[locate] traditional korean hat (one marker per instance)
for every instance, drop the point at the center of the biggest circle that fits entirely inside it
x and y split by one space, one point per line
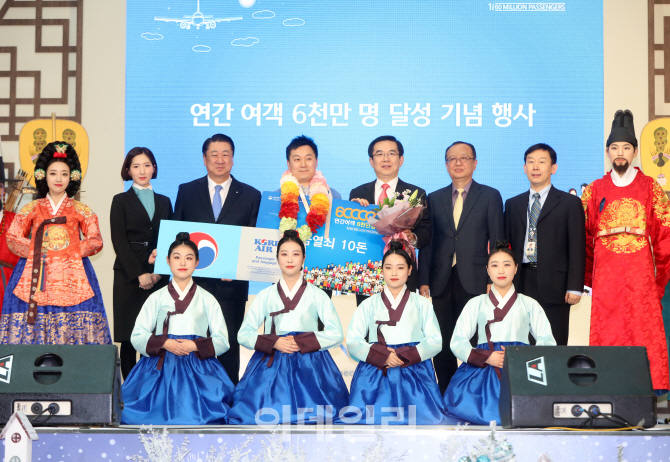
622 128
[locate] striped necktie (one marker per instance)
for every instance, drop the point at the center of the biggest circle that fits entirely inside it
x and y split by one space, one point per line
532 229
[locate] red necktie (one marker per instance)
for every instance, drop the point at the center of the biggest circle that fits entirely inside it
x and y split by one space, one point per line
384 194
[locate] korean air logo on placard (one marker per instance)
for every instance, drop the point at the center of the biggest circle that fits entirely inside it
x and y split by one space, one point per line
265 245
536 371
207 248
6 368
274 198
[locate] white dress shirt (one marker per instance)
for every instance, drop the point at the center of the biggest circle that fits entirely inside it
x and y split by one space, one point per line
224 190
395 301
378 188
626 179
54 206
182 294
290 293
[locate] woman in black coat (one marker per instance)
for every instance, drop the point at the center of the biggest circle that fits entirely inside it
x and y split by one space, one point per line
135 218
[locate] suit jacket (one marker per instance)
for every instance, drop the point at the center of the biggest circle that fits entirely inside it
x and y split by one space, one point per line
421 231
481 222
240 209
130 225
561 242
129 222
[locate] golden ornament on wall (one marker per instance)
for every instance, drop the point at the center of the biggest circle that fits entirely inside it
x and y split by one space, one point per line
37 133
655 151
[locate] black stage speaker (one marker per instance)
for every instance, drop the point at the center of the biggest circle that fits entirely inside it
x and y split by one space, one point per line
552 386
81 383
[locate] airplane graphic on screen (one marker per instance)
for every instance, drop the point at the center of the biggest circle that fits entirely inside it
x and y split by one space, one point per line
197 20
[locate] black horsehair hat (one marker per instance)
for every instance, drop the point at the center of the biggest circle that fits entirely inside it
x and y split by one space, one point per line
622 128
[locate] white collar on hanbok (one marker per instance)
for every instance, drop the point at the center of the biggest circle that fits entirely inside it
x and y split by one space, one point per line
395 301
290 293
136 186
503 300
182 294
55 207
626 179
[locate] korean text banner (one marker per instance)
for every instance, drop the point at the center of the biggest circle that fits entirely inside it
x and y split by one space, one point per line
231 252
502 76
349 260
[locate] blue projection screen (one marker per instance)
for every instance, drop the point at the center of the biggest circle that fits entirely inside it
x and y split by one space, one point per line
502 76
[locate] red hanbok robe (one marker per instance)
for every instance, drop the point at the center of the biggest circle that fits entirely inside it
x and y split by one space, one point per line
6 255
627 278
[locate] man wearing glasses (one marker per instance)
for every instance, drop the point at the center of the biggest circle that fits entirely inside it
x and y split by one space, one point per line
386 157
466 216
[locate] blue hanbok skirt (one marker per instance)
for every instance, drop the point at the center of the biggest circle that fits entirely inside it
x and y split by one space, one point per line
186 391
297 389
473 393
82 324
401 388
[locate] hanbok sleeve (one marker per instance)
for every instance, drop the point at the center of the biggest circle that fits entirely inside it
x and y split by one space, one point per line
91 244
217 343
248 335
143 338
660 237
332 334
539 324
466 327
357 346
432 340
17 234
590 216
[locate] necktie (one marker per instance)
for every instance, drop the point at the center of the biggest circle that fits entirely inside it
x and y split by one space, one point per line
216 202
532 229
384 194
458 209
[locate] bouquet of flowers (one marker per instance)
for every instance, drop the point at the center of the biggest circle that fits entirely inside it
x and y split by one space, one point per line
396 214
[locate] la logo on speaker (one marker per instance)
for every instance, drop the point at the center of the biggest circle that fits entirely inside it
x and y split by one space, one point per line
6 368
536 372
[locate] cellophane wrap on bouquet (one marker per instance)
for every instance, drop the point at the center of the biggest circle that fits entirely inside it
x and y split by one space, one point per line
396 214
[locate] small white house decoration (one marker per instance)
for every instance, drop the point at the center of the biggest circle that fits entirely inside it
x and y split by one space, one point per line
19 435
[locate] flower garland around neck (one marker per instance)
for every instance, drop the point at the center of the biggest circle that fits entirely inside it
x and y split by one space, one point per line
290 196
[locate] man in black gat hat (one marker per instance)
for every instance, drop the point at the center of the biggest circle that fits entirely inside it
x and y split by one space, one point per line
627 213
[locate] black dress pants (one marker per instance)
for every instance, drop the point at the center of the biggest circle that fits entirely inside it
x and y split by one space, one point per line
448 307
558 314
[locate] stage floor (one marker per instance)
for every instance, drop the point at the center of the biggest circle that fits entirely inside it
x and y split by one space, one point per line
353 443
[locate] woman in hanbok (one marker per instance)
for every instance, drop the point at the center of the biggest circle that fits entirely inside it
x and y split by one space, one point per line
502 317
395 369
178 380
291 377
53 296
135 221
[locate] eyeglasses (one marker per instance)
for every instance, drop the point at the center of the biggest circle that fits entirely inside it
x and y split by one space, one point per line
390 154
455 160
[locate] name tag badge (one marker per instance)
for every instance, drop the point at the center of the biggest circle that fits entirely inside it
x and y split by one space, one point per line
530 249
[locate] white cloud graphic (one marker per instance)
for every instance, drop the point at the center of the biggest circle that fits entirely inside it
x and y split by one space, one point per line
263 14
245 42
293 22
202 49
152 36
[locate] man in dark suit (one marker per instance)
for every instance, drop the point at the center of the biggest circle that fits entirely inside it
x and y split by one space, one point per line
466 216
220 198
546 230
386 155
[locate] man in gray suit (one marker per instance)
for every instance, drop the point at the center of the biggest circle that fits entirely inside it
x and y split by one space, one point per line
466 216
